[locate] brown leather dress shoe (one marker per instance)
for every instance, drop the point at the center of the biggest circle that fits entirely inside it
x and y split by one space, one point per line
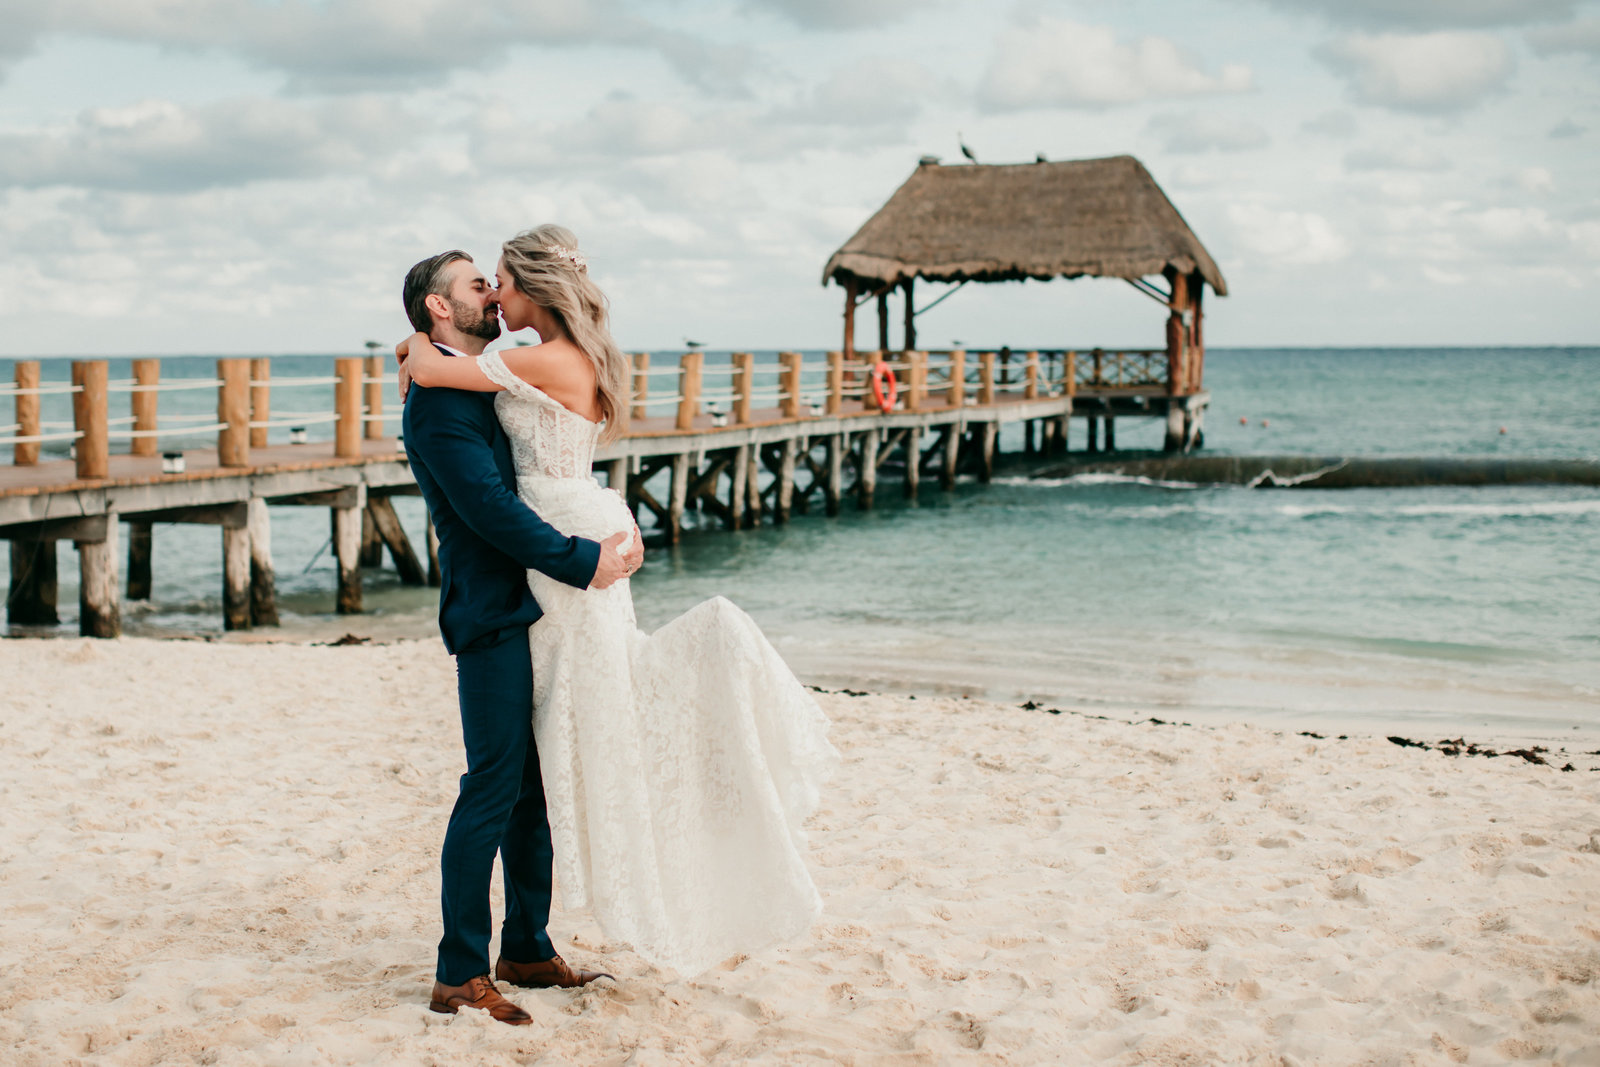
478 993
553 973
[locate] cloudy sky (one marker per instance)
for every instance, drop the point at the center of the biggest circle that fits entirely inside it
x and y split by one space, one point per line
244 176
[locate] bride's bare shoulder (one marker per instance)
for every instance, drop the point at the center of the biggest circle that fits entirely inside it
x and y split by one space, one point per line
558 368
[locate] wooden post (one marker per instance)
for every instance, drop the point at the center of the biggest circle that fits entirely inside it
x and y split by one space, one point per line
371 543
372 387
1099 378
32 597
991 434
835 383
1091 431
1172 441
850 287
641 383
679 494
1069 377
784 497
952 455
916 379
26 453
1027 437
744 372
89 417
910 331
99 612
689 389
752 484
789 384
958 378
736 486
392 535
833 488
1030 391
868 401
867 479
1111 434
261 400
236 577
142 403
883 319
913 460
140 543
263 579
233 411
986 377
435 576
347 430
1197 335
347 539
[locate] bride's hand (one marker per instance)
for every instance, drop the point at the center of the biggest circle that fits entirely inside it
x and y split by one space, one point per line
613 565
405 381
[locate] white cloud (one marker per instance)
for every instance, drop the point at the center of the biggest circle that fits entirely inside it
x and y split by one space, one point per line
1051 62
1431 72
1194 132
1535 180
1581 36
1331 124
1440 276
1564 129
1408 155
838 14
1287 237
1432 14
163 147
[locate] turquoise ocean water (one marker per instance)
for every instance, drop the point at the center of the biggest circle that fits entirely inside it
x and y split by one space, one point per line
1440 610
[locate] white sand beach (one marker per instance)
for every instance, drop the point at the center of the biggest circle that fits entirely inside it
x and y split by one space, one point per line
225 853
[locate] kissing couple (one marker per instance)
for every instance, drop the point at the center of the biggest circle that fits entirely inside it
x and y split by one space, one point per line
665 776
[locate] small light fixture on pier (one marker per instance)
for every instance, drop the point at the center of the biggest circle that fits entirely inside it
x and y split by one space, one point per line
297 435
718 416
172 463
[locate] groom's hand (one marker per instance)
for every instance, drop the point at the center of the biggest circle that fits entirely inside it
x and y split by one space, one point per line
614 566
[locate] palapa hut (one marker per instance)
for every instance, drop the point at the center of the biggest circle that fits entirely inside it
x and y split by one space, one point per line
1106 218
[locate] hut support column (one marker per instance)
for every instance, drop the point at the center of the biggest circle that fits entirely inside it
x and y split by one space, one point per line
99 613
883 320
263 577
236 577
911 317
347 550
850 287
867 479
913 460
140 543
32 600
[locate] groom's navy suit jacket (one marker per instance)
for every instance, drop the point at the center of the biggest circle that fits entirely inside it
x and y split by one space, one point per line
488 538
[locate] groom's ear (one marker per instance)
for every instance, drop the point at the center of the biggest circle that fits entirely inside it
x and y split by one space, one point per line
438 307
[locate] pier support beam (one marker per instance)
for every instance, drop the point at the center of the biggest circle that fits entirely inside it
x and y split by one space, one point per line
263 579
952 454
867 479
1175 435
737 480
140 545
988 436
913 460
678 495
347 550
1111 434
371 543
752 485
1091 441
833 488
236 577
99 610
32 599
392 535
783 499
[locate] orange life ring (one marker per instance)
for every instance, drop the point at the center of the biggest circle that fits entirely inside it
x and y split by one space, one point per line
885 390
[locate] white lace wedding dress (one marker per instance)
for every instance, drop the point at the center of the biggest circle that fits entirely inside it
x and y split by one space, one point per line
678 766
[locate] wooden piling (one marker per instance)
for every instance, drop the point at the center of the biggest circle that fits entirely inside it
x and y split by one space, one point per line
1172 441
347 547
143 403
263 579
1111 434
752 472
371 543
990 435
347 429
784 497
26 453
789 384
952 455
140 543
641 384
1091 442
679 491
99 609
32 597
233 411
689 369
260 400
867 479
392 535
89 418
236 577
833 488
372 387
913 448
736 486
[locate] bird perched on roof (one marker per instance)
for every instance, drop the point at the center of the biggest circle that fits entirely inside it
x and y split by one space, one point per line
1038 157
964 149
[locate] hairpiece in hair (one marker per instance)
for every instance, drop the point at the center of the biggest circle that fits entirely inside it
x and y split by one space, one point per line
571 255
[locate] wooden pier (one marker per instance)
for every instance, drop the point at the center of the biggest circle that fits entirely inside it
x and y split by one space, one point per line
744 440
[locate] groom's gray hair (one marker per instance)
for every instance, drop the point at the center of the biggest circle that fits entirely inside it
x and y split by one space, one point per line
423 280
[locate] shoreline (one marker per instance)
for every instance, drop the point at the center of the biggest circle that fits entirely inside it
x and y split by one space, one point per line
228 851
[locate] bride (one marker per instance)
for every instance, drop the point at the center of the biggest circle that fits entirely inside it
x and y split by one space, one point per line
678 766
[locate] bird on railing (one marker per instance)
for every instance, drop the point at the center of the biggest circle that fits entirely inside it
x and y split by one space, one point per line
964 149
693 344
1038 157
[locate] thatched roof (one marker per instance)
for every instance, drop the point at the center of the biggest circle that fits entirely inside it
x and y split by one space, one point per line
1102 217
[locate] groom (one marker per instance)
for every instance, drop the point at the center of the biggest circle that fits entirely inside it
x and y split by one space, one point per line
488 540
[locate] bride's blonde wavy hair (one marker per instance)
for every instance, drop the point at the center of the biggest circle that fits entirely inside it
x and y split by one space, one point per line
546 266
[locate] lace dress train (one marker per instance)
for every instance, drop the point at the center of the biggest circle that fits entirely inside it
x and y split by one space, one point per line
678 766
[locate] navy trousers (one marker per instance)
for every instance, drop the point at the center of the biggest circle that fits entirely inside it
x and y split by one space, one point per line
500 809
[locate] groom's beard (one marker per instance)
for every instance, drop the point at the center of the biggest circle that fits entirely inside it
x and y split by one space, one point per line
476 322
